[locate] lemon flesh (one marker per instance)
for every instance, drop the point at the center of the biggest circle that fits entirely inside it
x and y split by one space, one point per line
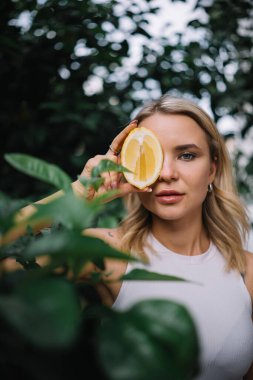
142 154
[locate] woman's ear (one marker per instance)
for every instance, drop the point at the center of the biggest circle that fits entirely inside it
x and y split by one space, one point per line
213 169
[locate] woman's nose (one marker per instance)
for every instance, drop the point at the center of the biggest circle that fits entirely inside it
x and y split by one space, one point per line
169 170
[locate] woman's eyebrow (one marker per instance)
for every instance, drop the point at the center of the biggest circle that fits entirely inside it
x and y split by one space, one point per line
186 146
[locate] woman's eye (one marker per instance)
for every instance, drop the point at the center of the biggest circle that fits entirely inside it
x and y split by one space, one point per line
187 156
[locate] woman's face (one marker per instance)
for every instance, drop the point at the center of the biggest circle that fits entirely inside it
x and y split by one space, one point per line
187 168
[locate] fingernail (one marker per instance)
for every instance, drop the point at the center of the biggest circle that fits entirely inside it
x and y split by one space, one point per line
114 185
148 190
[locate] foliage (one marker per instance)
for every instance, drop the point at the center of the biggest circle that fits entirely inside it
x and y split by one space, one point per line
225 65
47 75
53 324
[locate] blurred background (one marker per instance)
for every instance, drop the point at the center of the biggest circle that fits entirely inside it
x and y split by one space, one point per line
73 73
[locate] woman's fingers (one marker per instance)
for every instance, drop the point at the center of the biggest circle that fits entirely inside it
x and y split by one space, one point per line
118 141
90 164
90 193
111 180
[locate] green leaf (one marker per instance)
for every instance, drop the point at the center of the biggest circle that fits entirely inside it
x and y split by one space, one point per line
155 339
107 166
69 210
73 248
16 248
39 169
145 275
46 312
95 182
8 210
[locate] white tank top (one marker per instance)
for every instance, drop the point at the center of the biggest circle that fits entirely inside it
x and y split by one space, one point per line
220 305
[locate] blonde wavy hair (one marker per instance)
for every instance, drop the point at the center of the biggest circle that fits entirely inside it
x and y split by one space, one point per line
224 214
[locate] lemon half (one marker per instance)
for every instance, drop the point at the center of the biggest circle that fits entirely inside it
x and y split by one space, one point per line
142 154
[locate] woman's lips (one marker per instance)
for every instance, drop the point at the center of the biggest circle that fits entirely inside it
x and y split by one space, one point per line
169 197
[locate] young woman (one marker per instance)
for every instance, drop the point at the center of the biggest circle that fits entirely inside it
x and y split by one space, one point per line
189 223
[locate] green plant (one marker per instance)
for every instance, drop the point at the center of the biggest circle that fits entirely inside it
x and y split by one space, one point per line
53 323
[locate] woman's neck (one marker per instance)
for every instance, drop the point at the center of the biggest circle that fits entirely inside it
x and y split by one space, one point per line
188 238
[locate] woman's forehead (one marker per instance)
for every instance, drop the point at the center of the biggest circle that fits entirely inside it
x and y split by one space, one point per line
175 127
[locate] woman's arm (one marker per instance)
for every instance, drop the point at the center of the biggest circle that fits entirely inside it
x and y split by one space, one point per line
111 181
29 210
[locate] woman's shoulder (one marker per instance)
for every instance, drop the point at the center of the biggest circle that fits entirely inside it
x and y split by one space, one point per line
110 236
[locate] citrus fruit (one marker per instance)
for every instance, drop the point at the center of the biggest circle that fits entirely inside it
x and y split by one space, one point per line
142 154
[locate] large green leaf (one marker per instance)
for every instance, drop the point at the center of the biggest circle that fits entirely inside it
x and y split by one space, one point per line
45 311
39 169
155 339
69 210
76 249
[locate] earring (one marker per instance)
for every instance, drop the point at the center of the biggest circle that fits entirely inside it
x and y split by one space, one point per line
210 188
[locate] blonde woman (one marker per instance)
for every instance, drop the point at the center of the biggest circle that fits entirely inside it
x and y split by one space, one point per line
190 223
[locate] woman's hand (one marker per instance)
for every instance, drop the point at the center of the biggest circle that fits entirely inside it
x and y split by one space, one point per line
112 180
